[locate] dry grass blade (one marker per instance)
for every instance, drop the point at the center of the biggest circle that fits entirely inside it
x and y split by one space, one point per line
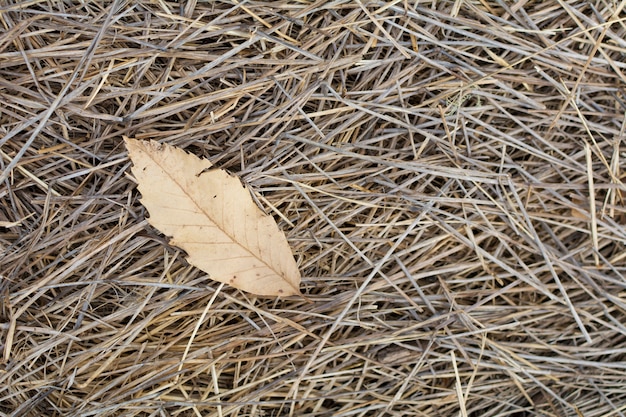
450 176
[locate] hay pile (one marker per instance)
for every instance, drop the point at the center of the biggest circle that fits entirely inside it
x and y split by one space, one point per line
449 175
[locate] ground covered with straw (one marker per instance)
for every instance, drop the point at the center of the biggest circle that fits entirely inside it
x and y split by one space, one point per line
449 175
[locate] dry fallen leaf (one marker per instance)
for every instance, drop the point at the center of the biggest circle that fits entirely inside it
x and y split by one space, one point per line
210 215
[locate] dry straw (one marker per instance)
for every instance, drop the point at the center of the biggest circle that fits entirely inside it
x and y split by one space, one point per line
449 175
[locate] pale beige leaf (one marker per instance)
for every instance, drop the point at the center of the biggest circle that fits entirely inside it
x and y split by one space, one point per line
210 215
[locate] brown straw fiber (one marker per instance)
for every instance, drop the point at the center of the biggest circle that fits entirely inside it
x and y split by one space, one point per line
449 174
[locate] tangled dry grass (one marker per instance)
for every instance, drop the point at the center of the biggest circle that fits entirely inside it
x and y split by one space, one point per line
449 175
